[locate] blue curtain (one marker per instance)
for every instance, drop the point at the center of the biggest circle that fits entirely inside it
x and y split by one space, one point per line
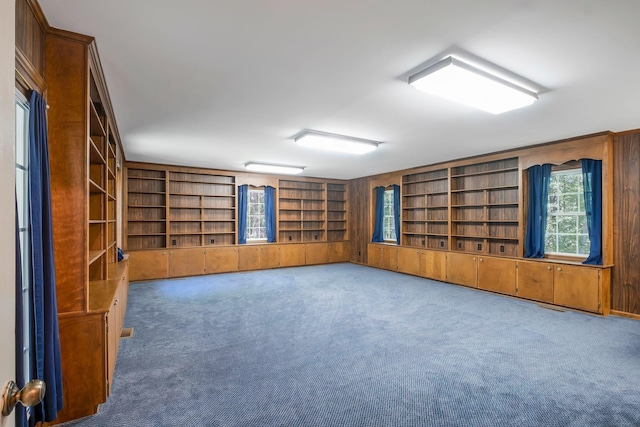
592 181
46 348
21 413
378 235
270 212
396 210
243 200
539 177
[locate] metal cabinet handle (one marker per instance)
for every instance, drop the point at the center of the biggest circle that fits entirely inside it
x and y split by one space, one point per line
548 268
559 268
30 395
481 260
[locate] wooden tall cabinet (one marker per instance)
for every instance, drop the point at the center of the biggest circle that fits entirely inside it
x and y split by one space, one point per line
84 155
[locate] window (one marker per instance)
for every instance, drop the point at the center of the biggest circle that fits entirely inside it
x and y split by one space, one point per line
22 203
389 223
256 220
567 231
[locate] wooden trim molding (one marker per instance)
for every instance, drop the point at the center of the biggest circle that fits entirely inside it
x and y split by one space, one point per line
39 14
625 314
27 76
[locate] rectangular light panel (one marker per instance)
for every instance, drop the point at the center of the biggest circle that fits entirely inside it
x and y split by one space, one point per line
336 143
458 81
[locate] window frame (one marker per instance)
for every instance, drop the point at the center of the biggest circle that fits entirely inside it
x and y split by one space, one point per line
570 168
262 217
22 162
388 197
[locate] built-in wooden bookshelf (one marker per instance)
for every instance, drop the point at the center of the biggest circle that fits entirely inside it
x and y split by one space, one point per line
201 210
484 207
197 210
98 184
302 211
146 209
91 285
336 212
112 202
425 209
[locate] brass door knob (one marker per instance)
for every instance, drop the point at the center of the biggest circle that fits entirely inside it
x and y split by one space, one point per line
30 395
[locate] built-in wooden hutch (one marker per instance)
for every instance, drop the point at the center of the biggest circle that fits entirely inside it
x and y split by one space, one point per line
183 221
464 222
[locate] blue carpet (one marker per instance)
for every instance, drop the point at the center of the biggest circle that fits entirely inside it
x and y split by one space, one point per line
347 345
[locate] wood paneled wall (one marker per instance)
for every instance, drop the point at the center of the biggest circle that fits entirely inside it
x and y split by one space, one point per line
29 33
31 27
625 283
359 196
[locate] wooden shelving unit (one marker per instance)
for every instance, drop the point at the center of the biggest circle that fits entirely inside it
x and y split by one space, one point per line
336 212
302 211
201 210
484 207
146 209
112 199
197 210
84 151
425 209
98 184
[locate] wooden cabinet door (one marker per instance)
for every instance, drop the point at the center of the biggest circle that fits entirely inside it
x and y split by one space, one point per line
390 257
497 275
535 281
221 260
409 260
113 336
148 265
337 252
434 265
374 253
269 256
292 255
317 253
462 269
186 262
577 287
248 258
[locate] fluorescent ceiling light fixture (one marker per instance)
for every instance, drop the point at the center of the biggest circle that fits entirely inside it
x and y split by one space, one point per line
460 82
270 168
333 142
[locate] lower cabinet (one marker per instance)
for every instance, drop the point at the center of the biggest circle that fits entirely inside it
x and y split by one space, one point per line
462 269
535 281
581 287
316 253
434 265
248 258
258 257
186 262
338 251
221 260
410 260
164 263
497 275
292 255
269 256
149 265
383 256
89 344
576 286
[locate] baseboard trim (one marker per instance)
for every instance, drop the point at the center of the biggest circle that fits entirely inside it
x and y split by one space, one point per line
625 314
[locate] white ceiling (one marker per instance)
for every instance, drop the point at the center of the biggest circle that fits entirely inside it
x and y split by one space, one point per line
219 83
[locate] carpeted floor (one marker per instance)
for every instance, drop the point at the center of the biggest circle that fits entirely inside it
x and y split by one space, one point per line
347 345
